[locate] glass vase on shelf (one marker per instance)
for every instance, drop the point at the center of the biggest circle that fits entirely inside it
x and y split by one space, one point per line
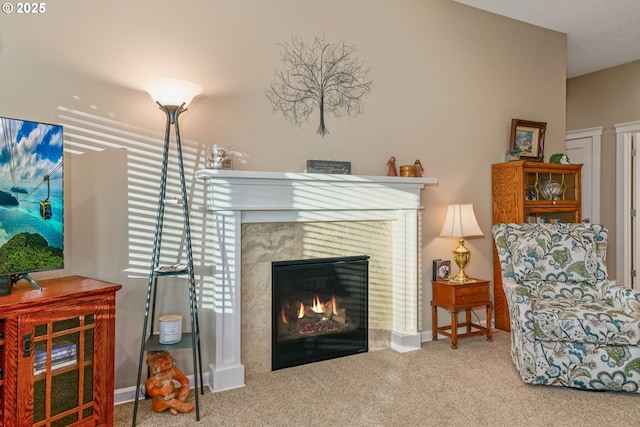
552 189
219 157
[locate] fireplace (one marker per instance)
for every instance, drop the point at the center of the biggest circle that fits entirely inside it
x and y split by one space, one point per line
319 309
237 197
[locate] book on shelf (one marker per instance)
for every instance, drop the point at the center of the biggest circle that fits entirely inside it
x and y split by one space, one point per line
59 350
41 354
40 369
54 357
63 353
542 220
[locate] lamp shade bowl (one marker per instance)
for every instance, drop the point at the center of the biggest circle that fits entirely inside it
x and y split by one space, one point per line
167 91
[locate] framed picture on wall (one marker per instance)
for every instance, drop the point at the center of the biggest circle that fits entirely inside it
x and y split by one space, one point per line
528 137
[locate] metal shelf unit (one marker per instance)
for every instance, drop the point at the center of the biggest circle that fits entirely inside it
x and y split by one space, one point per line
150 341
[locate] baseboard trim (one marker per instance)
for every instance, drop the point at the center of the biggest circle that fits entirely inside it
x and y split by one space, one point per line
403 343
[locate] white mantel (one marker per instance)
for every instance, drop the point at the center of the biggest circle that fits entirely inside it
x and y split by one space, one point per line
237 197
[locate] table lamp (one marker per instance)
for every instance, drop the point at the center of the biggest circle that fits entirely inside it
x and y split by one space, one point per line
460 223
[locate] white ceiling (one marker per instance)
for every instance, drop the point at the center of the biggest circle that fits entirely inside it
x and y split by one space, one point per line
600 34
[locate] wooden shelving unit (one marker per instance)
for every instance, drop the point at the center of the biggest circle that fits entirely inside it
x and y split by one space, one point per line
531 192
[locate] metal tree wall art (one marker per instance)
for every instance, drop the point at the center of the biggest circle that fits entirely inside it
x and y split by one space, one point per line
319 75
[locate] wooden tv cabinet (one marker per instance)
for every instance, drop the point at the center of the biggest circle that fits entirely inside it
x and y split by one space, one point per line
56 353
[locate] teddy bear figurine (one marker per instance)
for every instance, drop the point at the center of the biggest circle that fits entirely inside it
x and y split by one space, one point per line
161 384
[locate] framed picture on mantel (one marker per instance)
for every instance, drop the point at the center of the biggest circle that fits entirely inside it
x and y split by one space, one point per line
528 137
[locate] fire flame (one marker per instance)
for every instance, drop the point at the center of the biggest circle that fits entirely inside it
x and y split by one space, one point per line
283 316
317 306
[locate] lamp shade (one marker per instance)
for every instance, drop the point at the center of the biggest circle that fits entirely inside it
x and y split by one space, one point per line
460 222
172 91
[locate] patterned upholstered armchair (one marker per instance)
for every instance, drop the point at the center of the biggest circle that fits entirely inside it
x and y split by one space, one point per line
570 325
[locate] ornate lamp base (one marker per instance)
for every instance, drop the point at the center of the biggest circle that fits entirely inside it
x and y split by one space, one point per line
461 257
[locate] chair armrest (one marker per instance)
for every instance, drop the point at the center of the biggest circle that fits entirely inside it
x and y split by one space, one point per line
523 337
624 299
519 302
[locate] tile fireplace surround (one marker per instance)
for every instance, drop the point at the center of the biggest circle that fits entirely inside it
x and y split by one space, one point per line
234 198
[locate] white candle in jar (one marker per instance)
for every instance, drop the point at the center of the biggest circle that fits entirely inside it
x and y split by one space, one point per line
170 328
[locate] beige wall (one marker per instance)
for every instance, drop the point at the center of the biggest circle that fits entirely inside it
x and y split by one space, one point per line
605 98
448 80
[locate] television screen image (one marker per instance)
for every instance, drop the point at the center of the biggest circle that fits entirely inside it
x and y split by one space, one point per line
31 197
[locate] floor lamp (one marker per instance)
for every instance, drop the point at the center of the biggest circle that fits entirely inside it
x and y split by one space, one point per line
172 96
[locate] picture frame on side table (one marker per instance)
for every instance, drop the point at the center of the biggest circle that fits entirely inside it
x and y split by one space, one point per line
443 270
434 271
528 137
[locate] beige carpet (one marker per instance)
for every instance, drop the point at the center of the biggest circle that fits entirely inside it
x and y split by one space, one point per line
475 385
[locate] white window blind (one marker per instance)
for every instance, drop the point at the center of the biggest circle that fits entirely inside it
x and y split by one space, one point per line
84 132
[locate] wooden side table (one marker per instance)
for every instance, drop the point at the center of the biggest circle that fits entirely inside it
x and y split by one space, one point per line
454 296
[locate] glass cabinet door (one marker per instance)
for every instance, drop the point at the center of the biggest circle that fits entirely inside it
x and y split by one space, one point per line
58 352
552 194
550 186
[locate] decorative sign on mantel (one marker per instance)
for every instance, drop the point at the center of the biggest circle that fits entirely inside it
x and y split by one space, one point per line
328 166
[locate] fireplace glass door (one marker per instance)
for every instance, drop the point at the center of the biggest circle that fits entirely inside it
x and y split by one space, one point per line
319 309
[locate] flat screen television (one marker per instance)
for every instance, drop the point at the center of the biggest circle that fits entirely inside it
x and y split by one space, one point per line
31 198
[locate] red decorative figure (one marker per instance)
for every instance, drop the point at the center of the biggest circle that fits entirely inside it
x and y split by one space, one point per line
419 168
391 165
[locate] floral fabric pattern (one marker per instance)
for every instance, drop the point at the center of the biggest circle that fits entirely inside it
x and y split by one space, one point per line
564 319
560 252
570 325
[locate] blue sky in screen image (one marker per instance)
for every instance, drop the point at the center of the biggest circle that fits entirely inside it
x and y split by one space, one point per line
28 152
